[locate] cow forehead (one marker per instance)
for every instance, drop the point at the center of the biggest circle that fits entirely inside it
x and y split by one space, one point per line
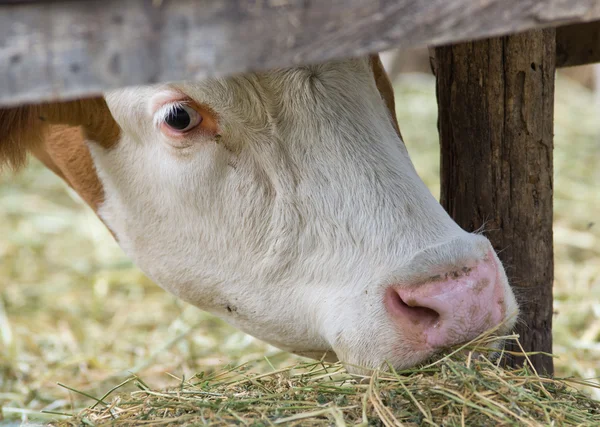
266 91
258 101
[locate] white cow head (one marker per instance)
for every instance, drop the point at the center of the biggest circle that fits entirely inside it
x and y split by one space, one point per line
285 202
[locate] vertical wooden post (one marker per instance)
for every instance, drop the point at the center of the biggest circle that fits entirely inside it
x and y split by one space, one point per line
495 100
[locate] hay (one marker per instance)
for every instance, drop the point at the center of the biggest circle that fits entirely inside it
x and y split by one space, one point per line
454 391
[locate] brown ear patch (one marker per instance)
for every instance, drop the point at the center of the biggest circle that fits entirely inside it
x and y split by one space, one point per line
56 134
385 89
64 149
65 153
24 129
21 130
91 114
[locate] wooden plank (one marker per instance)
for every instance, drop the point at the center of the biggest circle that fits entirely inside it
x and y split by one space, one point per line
496 100
2 2
578 44
64 49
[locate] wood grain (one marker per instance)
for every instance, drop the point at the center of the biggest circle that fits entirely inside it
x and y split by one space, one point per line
65 49
496 100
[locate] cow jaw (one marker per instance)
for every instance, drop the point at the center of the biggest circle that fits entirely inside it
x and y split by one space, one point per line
295 221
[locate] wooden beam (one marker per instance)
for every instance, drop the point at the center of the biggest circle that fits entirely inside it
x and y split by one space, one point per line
63 49
496 100
578 44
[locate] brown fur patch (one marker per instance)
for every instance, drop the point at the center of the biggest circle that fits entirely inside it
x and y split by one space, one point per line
20 131
65 153
56 134
385 89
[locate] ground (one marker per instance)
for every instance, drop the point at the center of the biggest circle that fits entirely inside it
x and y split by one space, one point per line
76 314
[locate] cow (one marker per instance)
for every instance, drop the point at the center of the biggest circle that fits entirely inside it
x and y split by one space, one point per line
284 202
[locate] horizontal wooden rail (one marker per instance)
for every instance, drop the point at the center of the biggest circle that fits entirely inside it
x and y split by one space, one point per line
63 49
578 44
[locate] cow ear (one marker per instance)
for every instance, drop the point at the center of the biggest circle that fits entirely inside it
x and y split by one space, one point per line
21 131
385 89
24 129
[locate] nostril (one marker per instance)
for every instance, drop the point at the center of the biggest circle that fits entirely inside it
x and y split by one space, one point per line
410 309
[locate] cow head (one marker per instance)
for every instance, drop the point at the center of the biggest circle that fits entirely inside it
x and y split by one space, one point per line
284 202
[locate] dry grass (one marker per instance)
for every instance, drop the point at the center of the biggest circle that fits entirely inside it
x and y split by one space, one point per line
73 310
452 392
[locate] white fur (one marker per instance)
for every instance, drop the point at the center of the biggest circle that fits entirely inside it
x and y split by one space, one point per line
294 223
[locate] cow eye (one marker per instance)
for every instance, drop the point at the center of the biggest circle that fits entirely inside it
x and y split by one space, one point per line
182 118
